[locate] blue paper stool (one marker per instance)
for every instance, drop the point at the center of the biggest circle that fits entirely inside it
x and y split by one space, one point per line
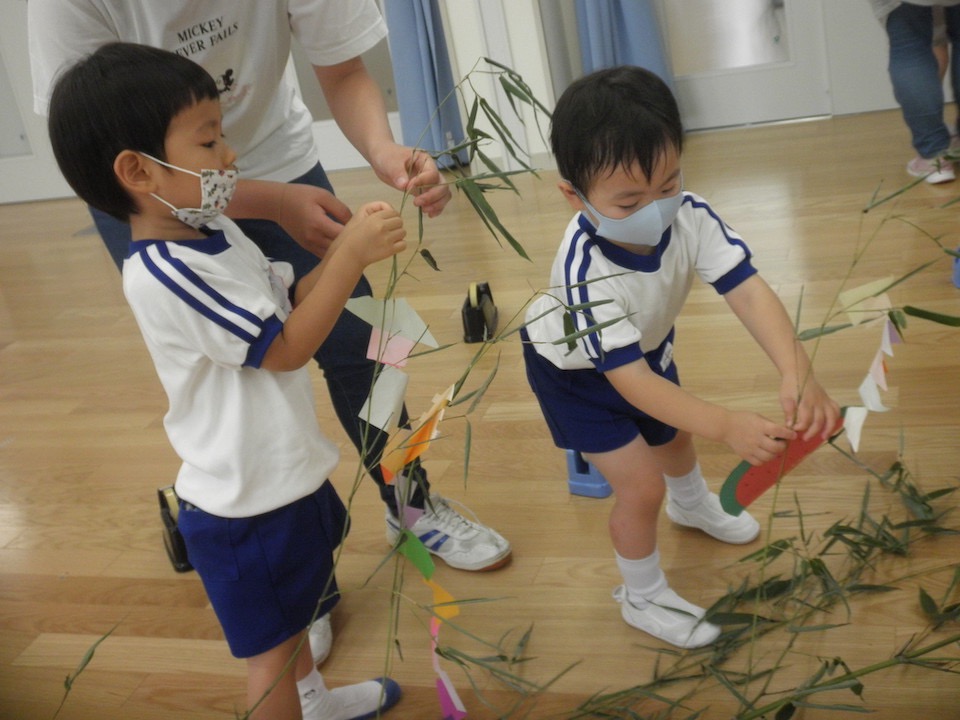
584 478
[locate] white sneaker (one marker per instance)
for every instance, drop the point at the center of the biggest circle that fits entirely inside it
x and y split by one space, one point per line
461 543
710 517
935 170
351 702
321 638
668 617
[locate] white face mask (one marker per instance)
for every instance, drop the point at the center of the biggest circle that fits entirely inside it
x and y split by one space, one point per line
642 227
216 189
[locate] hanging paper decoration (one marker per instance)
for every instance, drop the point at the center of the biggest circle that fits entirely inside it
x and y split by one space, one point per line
396 330
407 445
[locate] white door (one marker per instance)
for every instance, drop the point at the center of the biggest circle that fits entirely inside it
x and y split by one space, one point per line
27 168
737 62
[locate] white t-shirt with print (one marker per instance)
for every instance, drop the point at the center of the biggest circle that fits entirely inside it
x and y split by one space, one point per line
243 44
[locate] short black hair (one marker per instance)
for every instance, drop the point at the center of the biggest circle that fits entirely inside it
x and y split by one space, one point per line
613 118
121 97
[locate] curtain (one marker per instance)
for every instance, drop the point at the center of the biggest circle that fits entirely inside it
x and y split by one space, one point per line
621 32
423 77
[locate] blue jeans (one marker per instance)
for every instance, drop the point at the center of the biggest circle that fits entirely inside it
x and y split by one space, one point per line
913 72
342 357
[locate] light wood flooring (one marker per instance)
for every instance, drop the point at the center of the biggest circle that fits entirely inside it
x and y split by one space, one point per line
82 452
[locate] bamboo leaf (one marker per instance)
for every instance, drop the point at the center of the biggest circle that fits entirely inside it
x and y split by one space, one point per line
943 319
569 328
84 661
587 331
429 259
786 712
495 170
812 333
928 605
489 216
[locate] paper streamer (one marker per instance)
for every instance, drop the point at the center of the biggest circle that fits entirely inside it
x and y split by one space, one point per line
853 420
384 404
891 337
395 316
405 446
450 703
417 553
389 349
443 602
867 301
878 370
870 395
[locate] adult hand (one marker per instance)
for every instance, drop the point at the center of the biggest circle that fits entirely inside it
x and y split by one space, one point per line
414 172
312 216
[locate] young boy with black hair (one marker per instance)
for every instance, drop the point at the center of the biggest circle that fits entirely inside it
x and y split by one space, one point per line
133 128
627 260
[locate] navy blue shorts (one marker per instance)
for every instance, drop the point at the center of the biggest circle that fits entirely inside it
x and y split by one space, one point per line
265 574
585 412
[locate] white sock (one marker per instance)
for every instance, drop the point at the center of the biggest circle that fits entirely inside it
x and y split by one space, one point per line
688 490
643 578
311 689
342 703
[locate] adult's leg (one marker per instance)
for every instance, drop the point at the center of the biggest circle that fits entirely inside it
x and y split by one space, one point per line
915 78
347 370
114 233
952 22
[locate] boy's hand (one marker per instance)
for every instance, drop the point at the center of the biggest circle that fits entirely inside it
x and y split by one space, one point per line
815 414
375 232
754 438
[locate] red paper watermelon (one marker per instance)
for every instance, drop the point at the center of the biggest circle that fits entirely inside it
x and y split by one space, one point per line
748 482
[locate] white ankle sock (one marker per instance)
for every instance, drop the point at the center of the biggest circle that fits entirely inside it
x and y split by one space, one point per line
643 578
687 490
341 703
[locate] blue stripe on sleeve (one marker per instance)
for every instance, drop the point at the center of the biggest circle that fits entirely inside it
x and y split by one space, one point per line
733 278
575 274
723 226
199 307
271 328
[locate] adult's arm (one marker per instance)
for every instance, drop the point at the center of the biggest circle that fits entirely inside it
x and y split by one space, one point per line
356 102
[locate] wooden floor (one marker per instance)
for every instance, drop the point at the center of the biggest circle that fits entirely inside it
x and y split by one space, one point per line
82 452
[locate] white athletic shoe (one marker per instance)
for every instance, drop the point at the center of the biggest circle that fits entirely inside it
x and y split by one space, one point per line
710 517
668 617
461 543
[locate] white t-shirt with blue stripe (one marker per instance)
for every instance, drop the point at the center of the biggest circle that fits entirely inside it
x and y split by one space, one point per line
638 297
208 310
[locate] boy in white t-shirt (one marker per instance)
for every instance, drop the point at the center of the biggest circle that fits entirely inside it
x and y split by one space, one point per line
132 128
611 391
284 201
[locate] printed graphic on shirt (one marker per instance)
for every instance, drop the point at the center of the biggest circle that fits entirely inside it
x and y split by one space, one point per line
202 37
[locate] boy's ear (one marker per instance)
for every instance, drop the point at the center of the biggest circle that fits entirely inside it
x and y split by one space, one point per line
566 189
134 173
